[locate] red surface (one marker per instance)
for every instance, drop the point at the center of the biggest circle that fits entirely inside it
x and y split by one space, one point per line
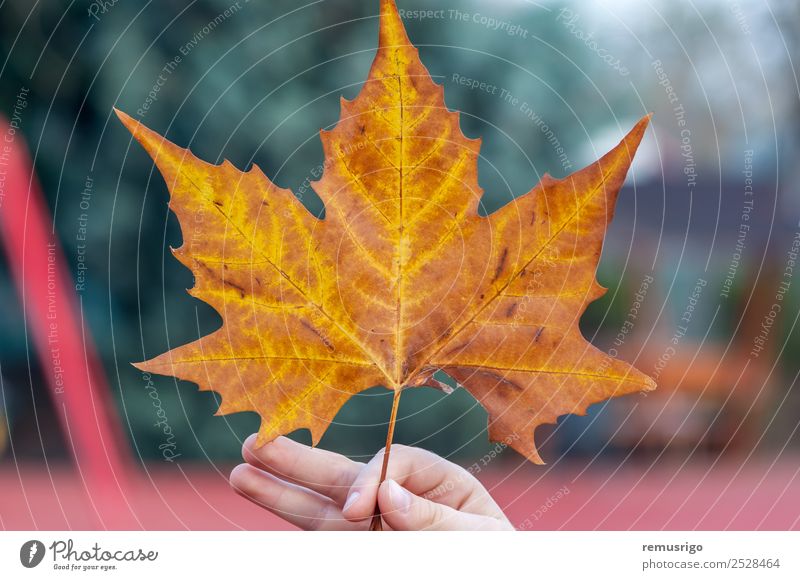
199 498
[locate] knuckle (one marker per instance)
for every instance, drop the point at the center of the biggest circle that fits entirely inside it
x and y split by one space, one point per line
378 457
428 513
340 483
267 453
319 519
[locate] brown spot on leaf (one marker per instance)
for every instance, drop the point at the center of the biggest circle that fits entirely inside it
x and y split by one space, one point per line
503 387
500 265
510 310
457 348
325 340
235 287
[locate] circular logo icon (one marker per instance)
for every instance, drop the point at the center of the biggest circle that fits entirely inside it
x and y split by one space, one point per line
31 553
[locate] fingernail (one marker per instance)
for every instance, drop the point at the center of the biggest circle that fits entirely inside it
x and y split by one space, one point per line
351 499
401 499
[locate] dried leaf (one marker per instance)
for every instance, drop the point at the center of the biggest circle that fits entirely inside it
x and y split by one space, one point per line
402 277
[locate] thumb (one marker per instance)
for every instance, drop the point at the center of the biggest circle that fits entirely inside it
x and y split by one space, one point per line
402 510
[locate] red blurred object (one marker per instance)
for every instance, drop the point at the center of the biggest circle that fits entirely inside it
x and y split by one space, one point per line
63 344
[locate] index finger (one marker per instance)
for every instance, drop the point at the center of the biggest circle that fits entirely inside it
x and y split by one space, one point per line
324 472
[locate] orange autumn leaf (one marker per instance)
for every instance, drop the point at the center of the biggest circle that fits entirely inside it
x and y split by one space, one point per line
402 277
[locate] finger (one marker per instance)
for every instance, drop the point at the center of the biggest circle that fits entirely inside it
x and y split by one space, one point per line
297 505
420 471
403 510
325 472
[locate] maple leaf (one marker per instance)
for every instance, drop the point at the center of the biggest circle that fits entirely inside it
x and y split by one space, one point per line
402 277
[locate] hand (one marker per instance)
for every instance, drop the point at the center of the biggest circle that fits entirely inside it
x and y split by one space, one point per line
320 490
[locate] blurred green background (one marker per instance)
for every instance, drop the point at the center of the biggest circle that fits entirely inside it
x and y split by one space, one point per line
256 81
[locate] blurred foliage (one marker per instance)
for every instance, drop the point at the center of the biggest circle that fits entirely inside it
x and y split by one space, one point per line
254 84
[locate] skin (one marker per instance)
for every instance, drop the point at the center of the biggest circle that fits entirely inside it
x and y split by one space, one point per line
316 489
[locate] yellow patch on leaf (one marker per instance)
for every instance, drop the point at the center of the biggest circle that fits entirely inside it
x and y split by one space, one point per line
403 276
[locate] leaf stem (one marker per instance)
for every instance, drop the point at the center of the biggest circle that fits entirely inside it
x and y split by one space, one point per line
376 525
